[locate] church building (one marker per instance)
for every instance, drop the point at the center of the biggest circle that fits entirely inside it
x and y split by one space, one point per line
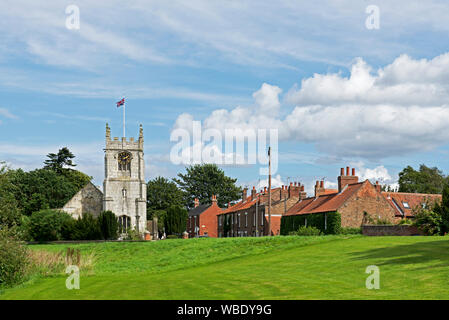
124 186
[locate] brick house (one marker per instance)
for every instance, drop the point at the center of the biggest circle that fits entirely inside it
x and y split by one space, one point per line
358 202
202 219
405 203
249 217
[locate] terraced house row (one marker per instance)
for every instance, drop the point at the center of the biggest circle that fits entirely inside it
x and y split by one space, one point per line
357 202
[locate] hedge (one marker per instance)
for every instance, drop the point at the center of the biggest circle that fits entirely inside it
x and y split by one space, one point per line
317 220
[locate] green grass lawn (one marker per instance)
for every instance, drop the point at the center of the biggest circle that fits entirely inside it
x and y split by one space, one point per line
327 267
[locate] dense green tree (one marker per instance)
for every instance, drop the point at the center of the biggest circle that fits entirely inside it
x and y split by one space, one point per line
108 225
57 161
163 193
46 225
175 220
86 227
43 188
9 212
203 181
426 180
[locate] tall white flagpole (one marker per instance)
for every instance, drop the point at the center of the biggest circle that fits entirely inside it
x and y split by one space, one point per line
124 106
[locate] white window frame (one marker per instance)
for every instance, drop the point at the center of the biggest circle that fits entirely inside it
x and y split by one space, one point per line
238 217
246 219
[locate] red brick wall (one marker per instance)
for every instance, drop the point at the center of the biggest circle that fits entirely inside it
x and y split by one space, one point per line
206 221
366 199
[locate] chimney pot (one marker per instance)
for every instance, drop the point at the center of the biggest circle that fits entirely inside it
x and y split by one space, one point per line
342 171
295 183
197 202
322 184
291 184
347 171
353 171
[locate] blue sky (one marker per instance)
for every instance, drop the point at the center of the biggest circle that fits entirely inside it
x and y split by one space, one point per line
342 94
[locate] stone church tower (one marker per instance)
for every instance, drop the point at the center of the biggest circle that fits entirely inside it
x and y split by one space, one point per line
124 186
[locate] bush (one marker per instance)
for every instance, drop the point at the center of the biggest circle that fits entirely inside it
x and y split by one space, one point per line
176 220
86 228
172 236
317 220
133 234
308 231
349 230
428 222
14 260
108 225
46 225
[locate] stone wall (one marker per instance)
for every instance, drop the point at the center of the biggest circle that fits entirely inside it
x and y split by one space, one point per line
89 199
390 230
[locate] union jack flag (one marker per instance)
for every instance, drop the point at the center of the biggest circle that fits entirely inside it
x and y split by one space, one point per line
121 103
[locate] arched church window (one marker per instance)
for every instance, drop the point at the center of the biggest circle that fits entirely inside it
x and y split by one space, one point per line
124 223
124 161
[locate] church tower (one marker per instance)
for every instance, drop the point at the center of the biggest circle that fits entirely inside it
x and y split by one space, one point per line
124 186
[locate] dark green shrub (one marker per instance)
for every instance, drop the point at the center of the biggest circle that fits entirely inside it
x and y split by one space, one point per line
172 236
46 225
108 225
176 220
327 223
14 261
308 231
86 228
348 230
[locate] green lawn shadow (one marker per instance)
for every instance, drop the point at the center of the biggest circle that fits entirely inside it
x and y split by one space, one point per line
421 254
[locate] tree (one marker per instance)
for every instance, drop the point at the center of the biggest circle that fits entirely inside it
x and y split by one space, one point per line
44 188
46 225
433 218
175 220
203 181
163 193
426 180
9 212
57 161
108 225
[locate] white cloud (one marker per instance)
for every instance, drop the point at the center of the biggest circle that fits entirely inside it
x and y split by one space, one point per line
368 115
7 114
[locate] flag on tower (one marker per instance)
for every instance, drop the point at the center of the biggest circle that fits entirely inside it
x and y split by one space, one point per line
121 103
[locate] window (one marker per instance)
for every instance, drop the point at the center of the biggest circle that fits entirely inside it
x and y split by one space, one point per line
219 220
124 223
238 217
262 218
423 205
246 219
254 219
124 193
405 204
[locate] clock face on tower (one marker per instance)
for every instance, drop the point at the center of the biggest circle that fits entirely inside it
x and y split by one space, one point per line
124 158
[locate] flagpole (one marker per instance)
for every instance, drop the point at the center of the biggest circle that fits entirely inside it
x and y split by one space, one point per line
124 106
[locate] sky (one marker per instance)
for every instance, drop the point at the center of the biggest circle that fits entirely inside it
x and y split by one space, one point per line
338 92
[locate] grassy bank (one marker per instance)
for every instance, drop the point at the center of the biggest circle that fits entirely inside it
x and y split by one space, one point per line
330 267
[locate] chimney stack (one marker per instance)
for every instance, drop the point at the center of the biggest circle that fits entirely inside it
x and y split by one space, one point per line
253 193
319 188
197 202
344 180
302 193
378 187
244 192
214 199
